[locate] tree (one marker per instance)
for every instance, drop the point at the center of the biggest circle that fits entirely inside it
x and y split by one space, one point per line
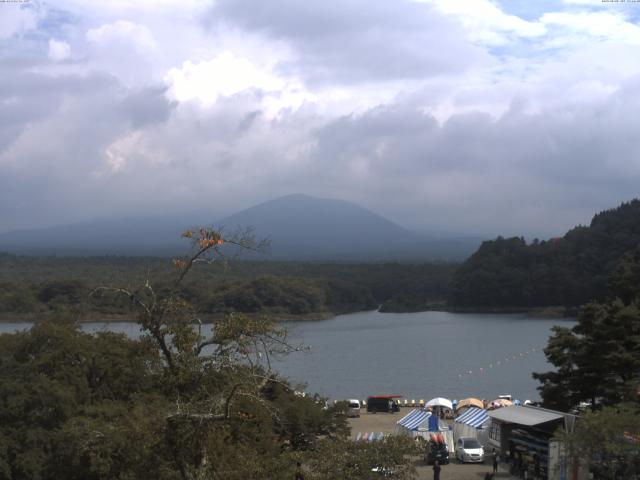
356 460
609 440
219 379
185 401
598 360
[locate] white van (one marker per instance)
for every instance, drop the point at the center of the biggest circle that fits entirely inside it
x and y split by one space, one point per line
353 408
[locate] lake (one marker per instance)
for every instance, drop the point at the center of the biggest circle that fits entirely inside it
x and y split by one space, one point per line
417 355
421 355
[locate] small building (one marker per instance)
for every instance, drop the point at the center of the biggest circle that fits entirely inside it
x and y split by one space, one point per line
524 434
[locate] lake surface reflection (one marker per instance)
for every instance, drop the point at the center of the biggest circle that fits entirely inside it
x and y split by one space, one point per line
418 355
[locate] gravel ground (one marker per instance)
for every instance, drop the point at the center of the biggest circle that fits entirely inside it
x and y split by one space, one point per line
386 422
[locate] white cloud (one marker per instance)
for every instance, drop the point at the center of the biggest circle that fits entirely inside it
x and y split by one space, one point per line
226 75
59 50
126 50
341 98
15 19
486 23
123 32
583 2
610 26
223 75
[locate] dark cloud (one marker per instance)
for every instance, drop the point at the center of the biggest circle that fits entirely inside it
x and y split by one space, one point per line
351 41
523 172
28 97
55 130
145 106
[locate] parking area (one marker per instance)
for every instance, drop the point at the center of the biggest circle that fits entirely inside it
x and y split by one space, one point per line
386 423
458 471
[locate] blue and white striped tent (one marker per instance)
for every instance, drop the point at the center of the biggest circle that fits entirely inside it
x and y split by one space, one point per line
474 417
474 422
417 423
415 419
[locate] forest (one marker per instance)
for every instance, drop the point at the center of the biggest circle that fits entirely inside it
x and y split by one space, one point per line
187 400
568 271
503 274
31 287
179 403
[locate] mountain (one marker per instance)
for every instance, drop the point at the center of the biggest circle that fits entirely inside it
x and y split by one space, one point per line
155 235
567 271
300 227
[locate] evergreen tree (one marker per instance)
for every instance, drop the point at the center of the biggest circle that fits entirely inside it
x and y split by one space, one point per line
598 360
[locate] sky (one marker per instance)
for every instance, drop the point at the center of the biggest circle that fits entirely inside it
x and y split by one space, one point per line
468 116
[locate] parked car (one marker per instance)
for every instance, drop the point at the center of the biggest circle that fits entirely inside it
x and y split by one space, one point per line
468 449
436 451
353 408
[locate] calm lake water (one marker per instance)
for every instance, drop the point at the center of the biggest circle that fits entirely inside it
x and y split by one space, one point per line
418 355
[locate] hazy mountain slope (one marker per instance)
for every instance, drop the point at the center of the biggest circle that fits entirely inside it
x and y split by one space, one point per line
304 227
128 236
300 225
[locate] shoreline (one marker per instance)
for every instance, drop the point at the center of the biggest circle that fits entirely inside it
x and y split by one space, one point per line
206 319
536 312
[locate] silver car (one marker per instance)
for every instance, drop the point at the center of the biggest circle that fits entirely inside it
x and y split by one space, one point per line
468 449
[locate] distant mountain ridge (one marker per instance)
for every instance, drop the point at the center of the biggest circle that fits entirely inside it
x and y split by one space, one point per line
157 235
299 226
567 271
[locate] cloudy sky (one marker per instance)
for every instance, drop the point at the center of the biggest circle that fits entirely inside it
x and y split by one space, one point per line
476 116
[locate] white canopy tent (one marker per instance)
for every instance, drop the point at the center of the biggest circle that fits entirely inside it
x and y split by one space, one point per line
442 406
440 402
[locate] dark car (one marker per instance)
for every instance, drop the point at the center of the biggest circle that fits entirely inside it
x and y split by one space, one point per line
436 451
383 403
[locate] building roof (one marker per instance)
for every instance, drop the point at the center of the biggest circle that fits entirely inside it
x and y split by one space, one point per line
525 415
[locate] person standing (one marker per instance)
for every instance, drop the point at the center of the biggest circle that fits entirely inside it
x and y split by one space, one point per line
436 470
496 458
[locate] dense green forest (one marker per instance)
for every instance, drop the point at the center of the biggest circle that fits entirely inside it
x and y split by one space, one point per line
34 286
179 403
568 271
